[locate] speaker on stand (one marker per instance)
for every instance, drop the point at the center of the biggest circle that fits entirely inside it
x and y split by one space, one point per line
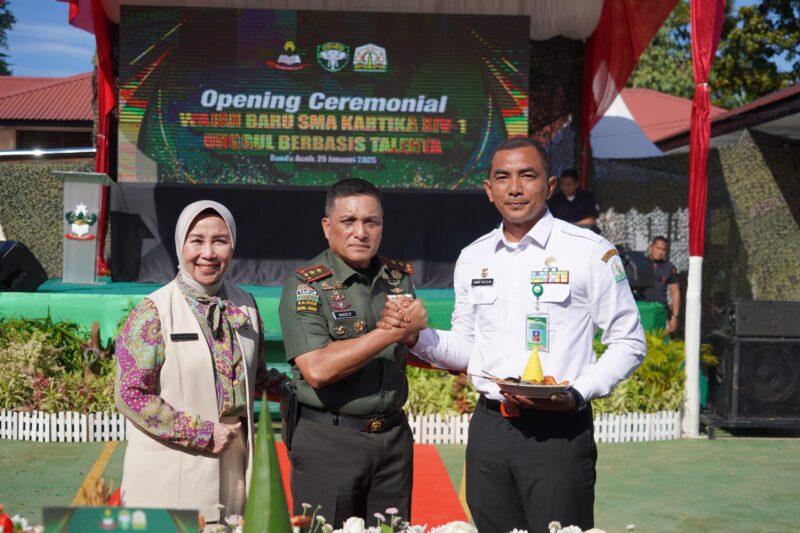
757 381
20 271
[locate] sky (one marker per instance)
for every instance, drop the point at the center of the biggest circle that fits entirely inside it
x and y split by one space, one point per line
42 43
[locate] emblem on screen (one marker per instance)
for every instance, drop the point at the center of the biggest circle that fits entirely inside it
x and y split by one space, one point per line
289 60
333 57
370 58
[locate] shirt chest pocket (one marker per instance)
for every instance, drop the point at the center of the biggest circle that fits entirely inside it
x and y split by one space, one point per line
486 315
554 300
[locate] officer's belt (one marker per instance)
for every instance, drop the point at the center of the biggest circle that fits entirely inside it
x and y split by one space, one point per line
367 424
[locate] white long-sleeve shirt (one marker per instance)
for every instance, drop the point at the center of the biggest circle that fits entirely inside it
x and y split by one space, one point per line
493 283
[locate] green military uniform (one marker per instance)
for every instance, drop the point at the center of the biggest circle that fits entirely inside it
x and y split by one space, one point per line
333 453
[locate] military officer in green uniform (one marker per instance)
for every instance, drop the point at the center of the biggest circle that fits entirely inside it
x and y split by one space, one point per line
351 450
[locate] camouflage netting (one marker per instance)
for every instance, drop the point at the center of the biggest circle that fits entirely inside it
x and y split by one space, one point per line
31 207
752 248
752 239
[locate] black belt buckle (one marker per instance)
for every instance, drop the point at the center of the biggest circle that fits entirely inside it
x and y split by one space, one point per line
375 425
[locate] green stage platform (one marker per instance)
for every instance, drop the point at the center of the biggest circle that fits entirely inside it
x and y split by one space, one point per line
109 302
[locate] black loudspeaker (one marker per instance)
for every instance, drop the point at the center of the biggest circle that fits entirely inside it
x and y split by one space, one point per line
765 319
19 269
757 381
638 269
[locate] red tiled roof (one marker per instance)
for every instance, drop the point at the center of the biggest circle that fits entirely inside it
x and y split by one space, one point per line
25 98
660 115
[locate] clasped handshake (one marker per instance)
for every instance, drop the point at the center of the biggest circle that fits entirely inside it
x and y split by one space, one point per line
404 317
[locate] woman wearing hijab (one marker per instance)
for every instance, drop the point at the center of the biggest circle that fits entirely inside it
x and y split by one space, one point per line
189 364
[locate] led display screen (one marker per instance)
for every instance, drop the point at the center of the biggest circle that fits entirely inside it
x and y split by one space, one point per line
305 98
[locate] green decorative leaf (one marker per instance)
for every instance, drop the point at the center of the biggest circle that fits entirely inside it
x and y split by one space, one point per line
267 510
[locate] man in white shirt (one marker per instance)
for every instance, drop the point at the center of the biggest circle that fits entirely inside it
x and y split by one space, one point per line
533 282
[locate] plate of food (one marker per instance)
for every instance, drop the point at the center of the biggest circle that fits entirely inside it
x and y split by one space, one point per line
531 389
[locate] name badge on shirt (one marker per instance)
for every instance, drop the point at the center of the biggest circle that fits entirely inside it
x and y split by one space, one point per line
183 337
339 315
483 282
536 333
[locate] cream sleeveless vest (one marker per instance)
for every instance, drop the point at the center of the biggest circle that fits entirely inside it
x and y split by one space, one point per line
162 475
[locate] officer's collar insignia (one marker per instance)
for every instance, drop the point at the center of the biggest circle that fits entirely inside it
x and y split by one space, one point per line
397 264
314 273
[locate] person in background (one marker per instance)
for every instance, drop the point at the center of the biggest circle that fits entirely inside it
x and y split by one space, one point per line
665 278
189 365
572 204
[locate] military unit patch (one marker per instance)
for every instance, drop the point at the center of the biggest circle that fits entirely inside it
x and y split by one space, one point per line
306 292
307 299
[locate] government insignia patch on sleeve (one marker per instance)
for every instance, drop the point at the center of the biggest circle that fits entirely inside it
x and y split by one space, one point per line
617 269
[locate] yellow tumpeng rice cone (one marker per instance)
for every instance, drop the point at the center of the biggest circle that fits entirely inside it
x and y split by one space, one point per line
533 370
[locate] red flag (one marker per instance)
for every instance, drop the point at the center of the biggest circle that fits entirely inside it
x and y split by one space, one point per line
707 18
625 29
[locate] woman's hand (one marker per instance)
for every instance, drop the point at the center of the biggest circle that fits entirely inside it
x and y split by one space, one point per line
224 435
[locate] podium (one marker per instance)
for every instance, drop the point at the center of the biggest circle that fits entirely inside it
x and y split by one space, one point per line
81 210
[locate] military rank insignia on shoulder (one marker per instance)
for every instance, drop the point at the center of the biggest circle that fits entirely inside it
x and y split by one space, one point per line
398 264
314 273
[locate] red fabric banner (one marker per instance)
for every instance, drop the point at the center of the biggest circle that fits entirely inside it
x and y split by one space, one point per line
707 18
625 29
89 15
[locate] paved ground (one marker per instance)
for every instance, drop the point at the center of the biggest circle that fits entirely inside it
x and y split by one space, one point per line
729 484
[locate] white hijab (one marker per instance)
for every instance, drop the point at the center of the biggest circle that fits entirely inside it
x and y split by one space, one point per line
189 213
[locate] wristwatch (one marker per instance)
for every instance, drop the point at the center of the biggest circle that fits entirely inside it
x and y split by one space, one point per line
580 401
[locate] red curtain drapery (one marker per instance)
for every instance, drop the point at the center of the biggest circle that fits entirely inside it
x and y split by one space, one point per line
707 18
625 29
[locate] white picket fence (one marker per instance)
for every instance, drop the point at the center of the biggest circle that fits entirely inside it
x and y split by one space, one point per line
628 427
37 426
637 427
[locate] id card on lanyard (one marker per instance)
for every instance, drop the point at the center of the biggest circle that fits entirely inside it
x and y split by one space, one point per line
536 334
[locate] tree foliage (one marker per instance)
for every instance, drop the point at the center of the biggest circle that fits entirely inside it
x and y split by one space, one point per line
759 53
666 65
7 20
